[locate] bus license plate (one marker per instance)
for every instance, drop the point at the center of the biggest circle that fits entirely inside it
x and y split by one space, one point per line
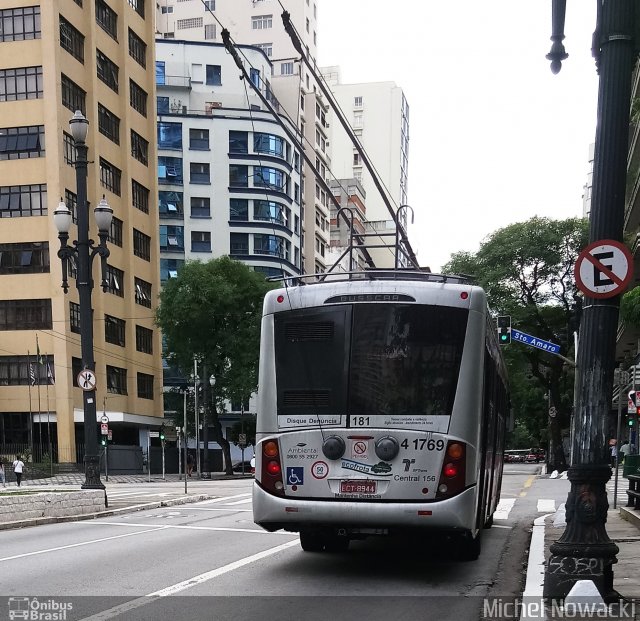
358 487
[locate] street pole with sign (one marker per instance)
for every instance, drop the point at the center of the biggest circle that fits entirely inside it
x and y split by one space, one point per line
621 379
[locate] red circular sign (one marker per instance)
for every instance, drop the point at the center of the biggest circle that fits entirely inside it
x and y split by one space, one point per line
319 470
604 269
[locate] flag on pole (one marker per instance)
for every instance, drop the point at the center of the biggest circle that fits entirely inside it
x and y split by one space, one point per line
32 374
38 354
50 378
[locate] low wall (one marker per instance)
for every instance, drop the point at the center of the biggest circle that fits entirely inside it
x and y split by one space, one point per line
16 506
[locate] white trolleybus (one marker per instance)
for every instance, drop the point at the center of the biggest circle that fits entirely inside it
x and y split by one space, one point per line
382 408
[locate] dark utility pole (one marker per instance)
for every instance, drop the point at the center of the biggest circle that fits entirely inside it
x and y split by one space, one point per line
584 551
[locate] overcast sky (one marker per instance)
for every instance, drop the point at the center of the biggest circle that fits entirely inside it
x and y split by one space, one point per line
495 137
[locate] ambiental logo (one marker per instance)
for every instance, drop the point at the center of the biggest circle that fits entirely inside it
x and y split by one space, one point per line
32 608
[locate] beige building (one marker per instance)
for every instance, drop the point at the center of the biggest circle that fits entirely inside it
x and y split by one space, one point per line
57 56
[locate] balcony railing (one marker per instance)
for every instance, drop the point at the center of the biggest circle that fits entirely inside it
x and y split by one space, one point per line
179 81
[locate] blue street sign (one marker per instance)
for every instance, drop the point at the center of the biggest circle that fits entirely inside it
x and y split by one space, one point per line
532 341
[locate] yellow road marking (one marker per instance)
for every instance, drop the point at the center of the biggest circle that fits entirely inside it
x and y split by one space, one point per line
527 484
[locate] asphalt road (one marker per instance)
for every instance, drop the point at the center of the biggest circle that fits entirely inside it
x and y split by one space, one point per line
208 560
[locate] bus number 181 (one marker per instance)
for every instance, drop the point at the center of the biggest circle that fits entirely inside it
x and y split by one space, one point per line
360 421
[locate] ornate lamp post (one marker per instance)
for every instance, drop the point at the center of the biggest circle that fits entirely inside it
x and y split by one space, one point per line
585 551
84 251
206 471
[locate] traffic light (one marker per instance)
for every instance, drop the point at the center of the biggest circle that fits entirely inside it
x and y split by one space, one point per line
162 433
504 329
104 441
630 422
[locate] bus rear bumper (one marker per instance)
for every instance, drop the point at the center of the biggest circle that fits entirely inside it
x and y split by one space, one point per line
275 513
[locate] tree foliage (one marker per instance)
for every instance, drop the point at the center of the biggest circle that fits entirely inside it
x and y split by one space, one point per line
212 311
526 269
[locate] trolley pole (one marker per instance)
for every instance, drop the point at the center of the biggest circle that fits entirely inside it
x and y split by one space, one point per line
585 542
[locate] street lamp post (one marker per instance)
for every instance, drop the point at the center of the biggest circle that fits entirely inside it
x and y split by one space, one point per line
206 471
585 551
84 252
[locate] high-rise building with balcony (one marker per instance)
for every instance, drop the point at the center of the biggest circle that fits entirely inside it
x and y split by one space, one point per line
56 57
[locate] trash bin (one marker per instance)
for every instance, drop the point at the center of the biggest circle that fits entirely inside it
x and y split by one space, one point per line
631 465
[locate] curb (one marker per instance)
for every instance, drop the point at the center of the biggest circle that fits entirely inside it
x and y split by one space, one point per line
630 516
109 512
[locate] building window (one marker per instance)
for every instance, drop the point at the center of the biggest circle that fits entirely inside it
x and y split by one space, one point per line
199 172
145 386
114 330
254 76
17 201
239 243
200 207
209 31
170 204
139 148
162 105
169 170
286 68
357 101
144 340
20 143
260 22
20 24
213 75
191 22
171 238
107 19
166 9
271 178
21 83
239 209
24 258
68 149
107 71
238 176
108 124
169 268
209 5
137 49
267 48
138 98
115 281
269 144
73 97
160 74
140 196
141 245
270 211
24 370
199 139
137 6
71 40
71 201
238 142
115 232
76 367
110 176
74 317
143 292
116 380
25 315
200 241
271 245
170 136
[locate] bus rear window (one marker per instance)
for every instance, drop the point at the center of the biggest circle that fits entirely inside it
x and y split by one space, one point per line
405 359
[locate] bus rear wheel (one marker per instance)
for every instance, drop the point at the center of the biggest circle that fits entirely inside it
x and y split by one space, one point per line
311 541
336 543
469 547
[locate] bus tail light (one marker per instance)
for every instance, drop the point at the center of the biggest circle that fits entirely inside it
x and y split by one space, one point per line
452 476
271 471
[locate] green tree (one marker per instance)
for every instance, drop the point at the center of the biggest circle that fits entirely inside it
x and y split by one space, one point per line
213 311
527 271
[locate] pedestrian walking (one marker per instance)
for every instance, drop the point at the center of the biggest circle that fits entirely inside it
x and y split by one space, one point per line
613 448
625 449
190 461
18 468
3 478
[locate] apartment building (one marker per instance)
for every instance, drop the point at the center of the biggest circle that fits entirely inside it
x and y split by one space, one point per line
229 178
258 23
56 57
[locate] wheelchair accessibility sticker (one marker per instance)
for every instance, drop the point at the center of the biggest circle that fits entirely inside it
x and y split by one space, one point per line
295 475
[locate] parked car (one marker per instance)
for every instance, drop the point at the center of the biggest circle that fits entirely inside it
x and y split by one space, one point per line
535 455
249 466
515 456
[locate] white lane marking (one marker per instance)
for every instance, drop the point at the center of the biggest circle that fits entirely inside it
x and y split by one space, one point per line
187 527
223 499
238 502
217 509
501 526
504 508
536 566
546 505
84 543
186 584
